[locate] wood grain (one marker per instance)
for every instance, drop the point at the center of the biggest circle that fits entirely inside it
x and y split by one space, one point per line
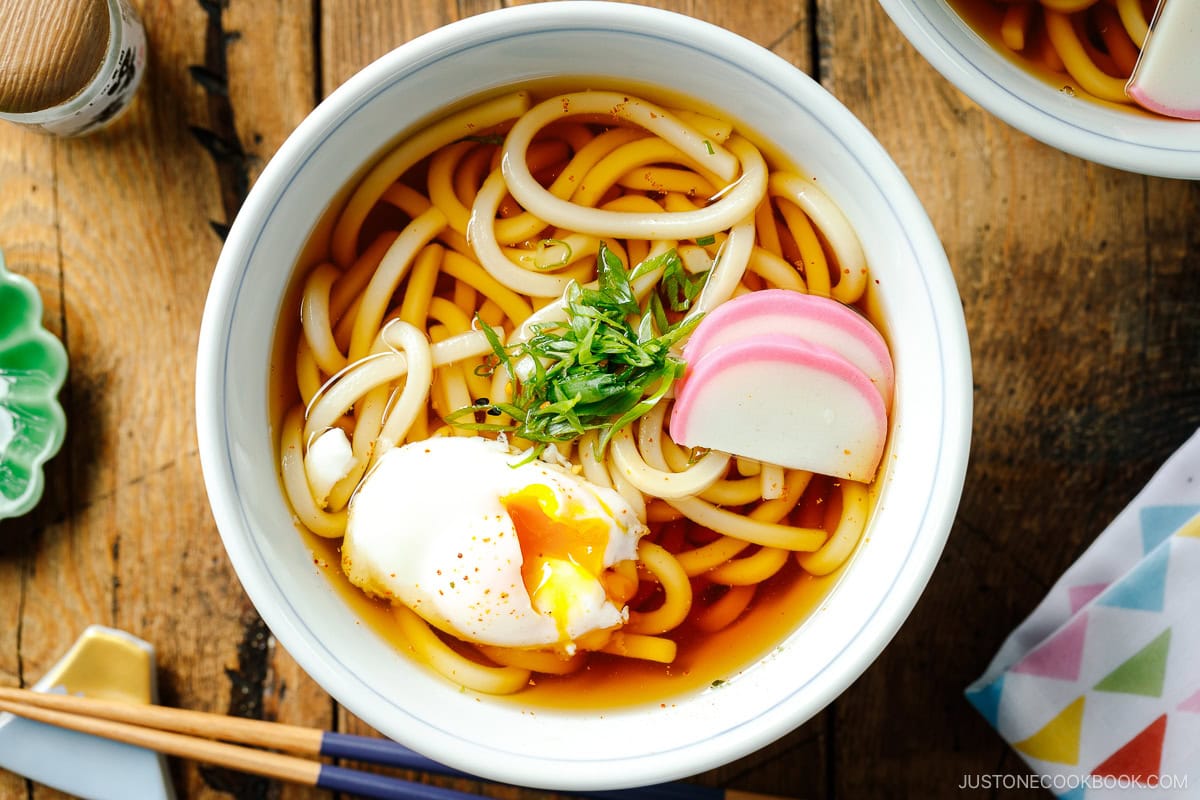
29 238
1080 284
51 49
1084 384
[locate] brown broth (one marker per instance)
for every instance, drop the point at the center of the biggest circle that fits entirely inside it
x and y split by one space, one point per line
704 659
985 17
610 681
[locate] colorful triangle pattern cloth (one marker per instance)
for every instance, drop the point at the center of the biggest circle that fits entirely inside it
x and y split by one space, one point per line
1099 689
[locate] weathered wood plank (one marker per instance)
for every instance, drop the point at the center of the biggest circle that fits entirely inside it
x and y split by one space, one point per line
29 240
267 54
137 255
356 32
1083 386
271 76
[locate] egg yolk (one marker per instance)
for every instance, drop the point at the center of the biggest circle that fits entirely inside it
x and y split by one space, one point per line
563 555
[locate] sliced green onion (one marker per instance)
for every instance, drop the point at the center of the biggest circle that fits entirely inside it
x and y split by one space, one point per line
605 366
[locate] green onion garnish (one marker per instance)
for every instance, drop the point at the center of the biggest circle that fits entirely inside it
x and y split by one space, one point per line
608 364
676 288
545 245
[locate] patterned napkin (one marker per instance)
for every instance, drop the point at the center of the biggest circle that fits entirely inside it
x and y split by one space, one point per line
1099 689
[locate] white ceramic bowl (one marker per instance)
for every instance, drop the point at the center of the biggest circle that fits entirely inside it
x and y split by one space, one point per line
929 441
1125 138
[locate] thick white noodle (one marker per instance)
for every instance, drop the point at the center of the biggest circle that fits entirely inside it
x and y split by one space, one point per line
833 225
555 311
751 528
629 157
315 320
747 528
410 341
390 169
595 470
775 270
481 235
330 525
631 495
737 200
772 481
842 541
669 574
388 275
343 390
711 155
628 463
731 262
524 225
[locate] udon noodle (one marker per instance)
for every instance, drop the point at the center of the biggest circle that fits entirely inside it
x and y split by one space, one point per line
485 218
1095 42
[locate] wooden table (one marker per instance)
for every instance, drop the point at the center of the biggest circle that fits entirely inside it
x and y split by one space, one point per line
1081 286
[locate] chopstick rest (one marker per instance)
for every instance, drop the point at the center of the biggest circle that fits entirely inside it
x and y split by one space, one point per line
1098 689
257 733
101 660
289 768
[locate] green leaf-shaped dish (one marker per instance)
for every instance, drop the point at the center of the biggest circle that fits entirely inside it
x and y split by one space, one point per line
33 365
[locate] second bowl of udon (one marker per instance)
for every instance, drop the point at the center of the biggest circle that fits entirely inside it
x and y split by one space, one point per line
583 396
1058 71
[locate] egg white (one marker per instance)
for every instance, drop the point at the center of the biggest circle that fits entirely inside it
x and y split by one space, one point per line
428 528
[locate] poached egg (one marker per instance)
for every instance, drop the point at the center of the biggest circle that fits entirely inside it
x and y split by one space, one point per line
488 549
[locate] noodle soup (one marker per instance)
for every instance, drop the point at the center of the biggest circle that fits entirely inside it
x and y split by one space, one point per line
910 291
1087 47
478 401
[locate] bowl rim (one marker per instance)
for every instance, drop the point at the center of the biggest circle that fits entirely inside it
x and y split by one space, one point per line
1015 100
282 619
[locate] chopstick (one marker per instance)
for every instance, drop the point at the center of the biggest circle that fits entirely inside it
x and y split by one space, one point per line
195 734
244 759
258 733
